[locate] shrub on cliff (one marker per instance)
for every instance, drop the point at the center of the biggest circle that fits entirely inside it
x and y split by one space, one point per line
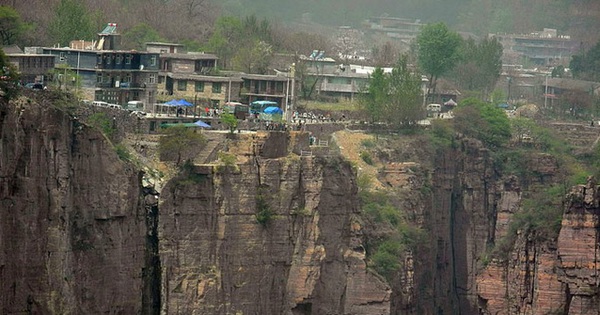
395 234
102 122
482 121
264 214
180 144
9 78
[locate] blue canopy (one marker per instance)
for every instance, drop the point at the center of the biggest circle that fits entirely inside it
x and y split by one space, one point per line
183 102
273 110
173 102
202 124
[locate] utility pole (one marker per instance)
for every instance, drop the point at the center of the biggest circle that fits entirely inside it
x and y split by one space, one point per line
293 73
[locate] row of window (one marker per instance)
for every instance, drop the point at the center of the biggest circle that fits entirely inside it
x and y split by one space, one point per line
118 59
102 78
264 86
199 86
36 62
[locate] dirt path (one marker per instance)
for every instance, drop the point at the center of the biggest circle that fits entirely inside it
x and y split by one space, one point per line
350 144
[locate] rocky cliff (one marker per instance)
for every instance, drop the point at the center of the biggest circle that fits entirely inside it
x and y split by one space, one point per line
304 255
275 232
557 277
80 235
72 228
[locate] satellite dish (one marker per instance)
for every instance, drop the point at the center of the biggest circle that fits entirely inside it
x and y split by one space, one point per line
141 67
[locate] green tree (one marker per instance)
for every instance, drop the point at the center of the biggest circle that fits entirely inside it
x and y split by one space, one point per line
71 21
375 99
438 50
586 66
225 39
230 121
395 98
11 25
139 35
480 66
254 58
180 144
405 103
483 121
8 78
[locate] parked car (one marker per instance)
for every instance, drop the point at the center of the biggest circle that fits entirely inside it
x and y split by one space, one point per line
35 86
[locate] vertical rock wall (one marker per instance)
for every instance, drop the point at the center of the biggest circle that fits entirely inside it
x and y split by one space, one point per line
306 258
71 222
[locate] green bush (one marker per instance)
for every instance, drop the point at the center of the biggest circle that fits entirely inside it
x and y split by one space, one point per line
386 260
366 157
227 162
264 214
368 143
180 144
385 253
482 121
102 122
123 153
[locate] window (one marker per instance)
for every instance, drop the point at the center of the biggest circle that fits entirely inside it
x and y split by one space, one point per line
119 57
279 87
199 86
62 56
349 81
99 78
329 80
127 78
152 79
262 86
181 85
216 87
128 59
153 60
107 59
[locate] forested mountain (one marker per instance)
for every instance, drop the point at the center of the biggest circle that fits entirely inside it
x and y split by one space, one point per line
476 16
180 20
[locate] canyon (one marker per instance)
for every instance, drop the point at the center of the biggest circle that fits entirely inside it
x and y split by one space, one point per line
82 231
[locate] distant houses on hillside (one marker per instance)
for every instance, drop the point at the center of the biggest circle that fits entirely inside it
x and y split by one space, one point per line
101 71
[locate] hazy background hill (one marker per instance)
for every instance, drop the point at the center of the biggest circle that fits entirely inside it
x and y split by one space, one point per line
476 16
179 20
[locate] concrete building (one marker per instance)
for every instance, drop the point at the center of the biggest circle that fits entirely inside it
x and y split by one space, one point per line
33 68
106 73
546 47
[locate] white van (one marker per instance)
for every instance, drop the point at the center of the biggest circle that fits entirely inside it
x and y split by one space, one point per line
135 106
115 106
434 108
100 103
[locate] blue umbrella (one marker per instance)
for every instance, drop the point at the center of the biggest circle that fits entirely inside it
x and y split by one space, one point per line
273 110
173 102
202 124
183 102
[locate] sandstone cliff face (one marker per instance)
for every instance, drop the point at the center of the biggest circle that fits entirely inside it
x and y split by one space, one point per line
556 278
79 235
307 258
71 221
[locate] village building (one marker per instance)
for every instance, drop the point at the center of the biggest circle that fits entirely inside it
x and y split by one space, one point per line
103 72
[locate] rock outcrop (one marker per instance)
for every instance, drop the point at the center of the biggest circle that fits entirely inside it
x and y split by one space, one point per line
71 218
80 235
561 277
304 256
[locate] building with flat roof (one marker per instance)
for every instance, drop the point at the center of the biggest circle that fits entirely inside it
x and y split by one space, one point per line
546 47
104 72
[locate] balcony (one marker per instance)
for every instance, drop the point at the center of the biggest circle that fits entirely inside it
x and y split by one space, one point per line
122 85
